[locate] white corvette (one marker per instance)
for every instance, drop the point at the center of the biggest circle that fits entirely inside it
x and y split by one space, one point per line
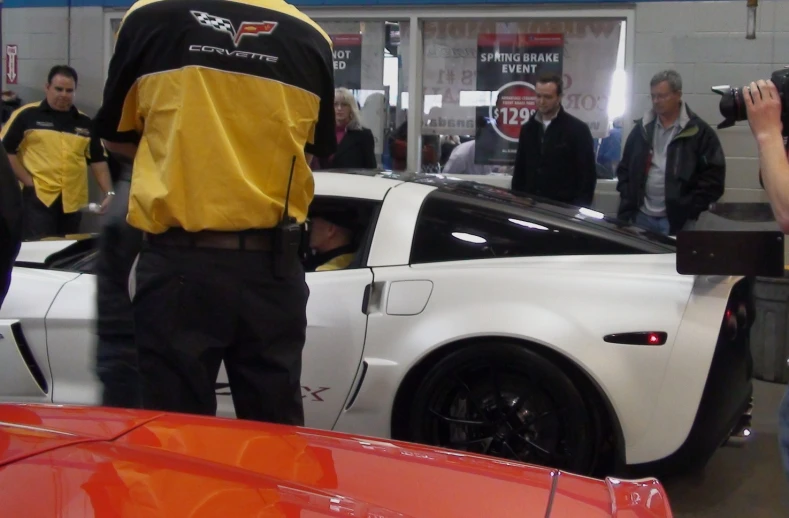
470 319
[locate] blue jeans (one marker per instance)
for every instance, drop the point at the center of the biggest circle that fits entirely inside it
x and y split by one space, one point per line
655 224
783 431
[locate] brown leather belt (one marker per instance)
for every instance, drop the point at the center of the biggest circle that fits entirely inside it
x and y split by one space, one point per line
247 240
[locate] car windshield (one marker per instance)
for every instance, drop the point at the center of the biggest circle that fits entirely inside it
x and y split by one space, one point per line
579 214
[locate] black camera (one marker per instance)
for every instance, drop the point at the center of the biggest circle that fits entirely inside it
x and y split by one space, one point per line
732 104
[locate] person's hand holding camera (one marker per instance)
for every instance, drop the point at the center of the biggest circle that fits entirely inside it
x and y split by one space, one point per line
764 108
763 105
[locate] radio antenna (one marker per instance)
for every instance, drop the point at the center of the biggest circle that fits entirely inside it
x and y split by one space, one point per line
285 214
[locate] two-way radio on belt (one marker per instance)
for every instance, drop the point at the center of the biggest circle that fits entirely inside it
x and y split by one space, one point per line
287 236
285 215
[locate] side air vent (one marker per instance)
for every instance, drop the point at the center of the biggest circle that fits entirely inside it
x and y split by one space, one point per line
27 355
358 386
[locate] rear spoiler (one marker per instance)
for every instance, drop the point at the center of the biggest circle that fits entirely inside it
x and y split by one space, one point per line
744 253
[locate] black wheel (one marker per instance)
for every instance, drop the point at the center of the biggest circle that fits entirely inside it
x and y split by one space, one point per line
506 401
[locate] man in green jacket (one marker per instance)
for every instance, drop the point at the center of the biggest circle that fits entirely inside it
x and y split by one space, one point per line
673 167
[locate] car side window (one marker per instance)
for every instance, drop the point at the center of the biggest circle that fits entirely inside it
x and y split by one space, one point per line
453 230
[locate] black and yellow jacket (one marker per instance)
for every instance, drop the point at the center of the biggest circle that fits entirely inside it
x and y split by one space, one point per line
226 98
55 147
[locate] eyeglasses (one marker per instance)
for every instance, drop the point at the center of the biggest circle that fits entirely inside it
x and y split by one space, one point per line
660 97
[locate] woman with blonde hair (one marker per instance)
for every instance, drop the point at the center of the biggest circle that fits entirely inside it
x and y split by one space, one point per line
355 143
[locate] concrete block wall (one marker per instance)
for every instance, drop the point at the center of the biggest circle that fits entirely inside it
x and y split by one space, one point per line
87 41
705 42
44 40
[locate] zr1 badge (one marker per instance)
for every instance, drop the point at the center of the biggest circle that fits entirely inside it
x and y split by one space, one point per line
223 389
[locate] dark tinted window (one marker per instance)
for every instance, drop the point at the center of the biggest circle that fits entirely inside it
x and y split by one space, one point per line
508 200
450 229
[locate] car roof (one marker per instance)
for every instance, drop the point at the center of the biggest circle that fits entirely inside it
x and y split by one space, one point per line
367 184
182 463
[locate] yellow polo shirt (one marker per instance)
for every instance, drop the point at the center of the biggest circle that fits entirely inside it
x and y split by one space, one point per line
55 147
337 263
223 96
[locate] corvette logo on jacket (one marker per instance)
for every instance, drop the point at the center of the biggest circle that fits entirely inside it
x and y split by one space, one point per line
226 26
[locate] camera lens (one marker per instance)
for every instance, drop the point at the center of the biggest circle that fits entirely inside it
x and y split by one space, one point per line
732 103
731 106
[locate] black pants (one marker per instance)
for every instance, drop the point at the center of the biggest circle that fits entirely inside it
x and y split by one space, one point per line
116 351
194 307
42 221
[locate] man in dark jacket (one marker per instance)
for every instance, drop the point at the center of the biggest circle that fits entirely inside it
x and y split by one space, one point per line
10 222
555 157
673 167
119 244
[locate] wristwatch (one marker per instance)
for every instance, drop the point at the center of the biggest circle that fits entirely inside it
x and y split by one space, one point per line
110 193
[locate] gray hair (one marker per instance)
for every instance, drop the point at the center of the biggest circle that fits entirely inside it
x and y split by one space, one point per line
671 76
344 95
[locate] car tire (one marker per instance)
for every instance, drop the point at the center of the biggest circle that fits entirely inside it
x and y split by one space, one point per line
504 400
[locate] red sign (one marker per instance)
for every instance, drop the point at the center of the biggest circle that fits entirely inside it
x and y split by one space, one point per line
11 62
515 104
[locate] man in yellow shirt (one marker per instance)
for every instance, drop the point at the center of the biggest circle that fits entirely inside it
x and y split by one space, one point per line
50 146
230 101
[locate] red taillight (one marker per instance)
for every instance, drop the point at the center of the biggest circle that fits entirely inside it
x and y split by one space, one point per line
730 324
653 338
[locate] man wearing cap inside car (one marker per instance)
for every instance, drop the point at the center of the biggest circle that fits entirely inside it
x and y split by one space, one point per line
332 239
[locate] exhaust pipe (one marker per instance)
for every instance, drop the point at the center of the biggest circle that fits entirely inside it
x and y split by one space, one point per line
742 431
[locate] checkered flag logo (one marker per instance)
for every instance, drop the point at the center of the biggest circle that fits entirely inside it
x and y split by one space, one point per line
224 25
215 22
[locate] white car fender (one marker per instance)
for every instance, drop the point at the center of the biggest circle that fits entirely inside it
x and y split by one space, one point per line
678 400
528 304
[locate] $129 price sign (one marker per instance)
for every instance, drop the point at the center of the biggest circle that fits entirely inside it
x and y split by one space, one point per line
510 65
515 103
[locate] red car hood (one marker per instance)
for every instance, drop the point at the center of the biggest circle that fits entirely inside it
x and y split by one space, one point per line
103 462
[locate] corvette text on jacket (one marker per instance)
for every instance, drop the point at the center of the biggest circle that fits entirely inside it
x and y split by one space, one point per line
233 53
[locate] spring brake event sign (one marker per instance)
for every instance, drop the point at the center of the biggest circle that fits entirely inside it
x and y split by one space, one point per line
450 69
347 54
508 67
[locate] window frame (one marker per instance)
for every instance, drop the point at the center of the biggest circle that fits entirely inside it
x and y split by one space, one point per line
360 260
420 14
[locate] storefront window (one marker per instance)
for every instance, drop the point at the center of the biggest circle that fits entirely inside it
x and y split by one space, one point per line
115 25
478 79
369 60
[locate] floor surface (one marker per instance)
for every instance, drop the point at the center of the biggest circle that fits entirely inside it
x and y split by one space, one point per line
746 482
